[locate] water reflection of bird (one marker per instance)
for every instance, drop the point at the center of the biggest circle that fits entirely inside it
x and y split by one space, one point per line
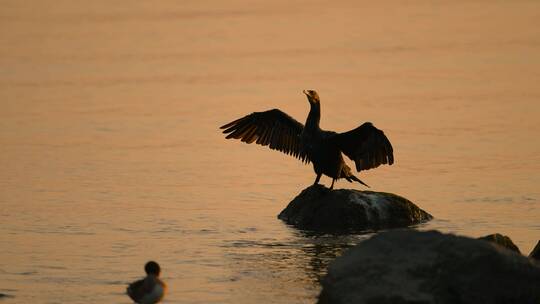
149 290
366 145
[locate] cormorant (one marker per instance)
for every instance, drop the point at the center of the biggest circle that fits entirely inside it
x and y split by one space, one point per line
366 145
149 290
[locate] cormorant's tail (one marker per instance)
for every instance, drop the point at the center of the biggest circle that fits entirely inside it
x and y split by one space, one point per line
349 176
352 178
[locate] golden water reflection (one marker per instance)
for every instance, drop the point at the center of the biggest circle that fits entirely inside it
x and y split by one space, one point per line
111 153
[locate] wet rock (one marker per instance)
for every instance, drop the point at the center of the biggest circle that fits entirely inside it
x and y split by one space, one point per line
501 240
318 208
535 253
408 266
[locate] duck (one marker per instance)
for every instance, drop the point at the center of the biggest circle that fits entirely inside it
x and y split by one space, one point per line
149 290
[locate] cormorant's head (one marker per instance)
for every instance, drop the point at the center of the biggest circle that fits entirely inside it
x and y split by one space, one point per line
312 96
152 268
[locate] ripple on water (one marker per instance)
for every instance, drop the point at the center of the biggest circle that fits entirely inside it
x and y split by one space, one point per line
502 199
7 294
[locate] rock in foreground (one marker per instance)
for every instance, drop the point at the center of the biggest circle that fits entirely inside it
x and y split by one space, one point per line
501 240
535 253
318 208
408 266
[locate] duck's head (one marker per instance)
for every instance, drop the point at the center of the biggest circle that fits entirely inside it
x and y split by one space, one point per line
152 268
312 96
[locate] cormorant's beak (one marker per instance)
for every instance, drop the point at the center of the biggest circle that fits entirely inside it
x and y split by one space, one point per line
307 94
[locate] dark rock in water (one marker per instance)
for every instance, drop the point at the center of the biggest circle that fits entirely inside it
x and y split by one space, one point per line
408 266
535 253
318 208
501 240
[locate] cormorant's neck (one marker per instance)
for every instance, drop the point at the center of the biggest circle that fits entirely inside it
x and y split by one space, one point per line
314 116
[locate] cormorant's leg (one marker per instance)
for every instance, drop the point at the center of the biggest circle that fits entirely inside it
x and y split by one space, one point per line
317 179
332 186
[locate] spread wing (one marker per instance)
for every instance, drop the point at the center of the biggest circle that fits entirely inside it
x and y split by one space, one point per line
271 128
366 145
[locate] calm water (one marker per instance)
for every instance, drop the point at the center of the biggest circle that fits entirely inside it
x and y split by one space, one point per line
111 156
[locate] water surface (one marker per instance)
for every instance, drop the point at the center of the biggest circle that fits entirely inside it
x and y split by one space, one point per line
111 154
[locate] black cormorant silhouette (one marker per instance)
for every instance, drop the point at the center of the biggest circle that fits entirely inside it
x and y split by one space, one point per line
366 145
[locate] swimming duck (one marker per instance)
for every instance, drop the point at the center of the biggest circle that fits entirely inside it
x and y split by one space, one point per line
149 290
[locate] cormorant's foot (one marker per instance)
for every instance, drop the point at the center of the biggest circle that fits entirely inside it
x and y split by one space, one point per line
326 190
321 188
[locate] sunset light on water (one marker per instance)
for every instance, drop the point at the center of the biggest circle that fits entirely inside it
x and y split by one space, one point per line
112 154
